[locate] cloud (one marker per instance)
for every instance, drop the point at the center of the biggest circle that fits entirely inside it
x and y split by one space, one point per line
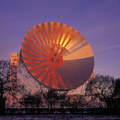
107 48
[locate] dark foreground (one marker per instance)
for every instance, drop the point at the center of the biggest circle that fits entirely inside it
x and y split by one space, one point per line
60 117
41 111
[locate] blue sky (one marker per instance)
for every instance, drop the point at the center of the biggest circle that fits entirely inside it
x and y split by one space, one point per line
97 20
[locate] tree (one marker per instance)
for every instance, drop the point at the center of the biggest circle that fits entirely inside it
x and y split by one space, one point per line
7 90
51 97
4 76
117 92
75 101
117 88
38 99
33 100
62 100
102 87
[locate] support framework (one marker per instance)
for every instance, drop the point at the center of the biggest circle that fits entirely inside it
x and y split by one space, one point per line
13 90
18 74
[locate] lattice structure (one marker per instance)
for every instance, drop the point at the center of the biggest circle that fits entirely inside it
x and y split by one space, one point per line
28 80
18 74
13 94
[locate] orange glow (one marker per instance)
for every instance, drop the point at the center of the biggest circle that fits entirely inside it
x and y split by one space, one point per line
71 37
66 37
61 34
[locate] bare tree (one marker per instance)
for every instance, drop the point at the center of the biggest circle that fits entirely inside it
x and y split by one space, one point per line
102 87
33 100
4 76
51 97
75 101
38 99
62 100
117 92
117 88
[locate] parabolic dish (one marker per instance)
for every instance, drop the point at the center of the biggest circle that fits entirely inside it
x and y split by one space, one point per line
57 56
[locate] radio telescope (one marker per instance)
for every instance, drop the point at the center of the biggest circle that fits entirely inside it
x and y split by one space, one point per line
57 56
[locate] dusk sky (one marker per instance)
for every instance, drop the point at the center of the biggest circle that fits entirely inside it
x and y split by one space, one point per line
97 20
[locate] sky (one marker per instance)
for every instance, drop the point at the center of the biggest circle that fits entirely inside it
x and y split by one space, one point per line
97 20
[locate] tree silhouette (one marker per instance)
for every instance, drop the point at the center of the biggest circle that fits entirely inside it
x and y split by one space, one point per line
62 100
38 99
51 97
117 92
75 101
102 87
33 100
117 87
4 76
